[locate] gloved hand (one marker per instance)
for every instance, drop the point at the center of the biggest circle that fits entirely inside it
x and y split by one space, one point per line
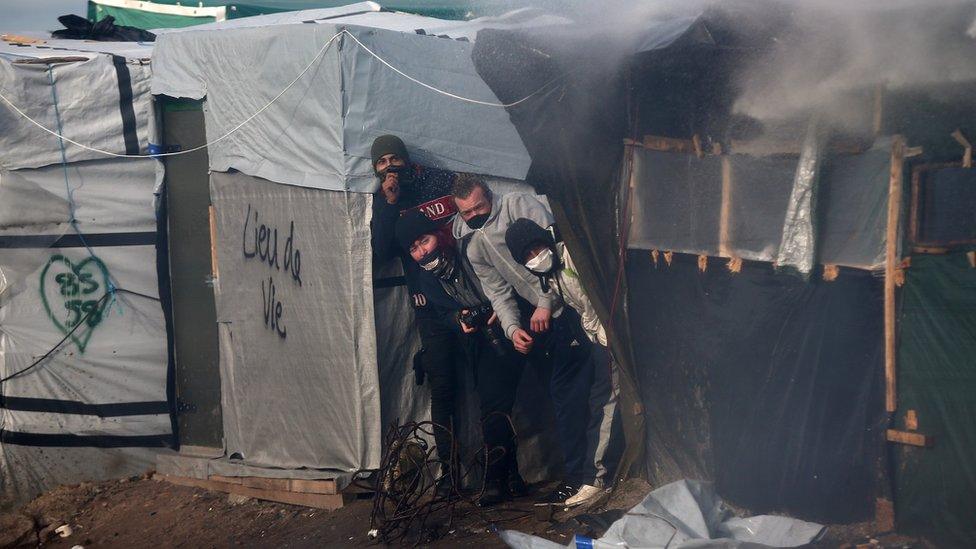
418 367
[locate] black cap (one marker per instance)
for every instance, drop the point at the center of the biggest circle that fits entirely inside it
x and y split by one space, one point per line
522 235
411 225
387 144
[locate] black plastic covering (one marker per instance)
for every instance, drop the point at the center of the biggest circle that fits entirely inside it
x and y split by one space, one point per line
947 206
79 28
935 488
766 384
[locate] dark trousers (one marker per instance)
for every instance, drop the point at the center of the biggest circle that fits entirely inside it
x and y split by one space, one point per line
569 355
496 380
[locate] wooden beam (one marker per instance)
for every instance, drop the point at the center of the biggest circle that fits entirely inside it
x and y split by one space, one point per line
891 266
669 144
910 438
884 515
213 241
304 486
330 502
877 122
725 213
22 40
967 156
787 147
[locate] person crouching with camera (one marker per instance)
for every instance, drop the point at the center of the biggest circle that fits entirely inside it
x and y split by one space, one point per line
470 327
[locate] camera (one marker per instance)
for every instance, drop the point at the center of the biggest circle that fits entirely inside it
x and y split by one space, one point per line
477 317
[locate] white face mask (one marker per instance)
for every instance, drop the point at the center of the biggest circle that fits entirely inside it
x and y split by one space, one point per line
541 263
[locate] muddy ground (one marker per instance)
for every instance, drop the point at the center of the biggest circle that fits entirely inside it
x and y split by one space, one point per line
144 512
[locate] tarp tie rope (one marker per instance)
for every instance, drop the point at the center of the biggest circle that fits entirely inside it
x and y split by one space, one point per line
322 50
69 192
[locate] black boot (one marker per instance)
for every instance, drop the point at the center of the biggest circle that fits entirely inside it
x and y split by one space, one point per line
495 492
516 484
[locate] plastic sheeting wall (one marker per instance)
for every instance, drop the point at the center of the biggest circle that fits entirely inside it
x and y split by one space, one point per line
935 488
299 381
766 384
91 96
319 132
678 202
83 413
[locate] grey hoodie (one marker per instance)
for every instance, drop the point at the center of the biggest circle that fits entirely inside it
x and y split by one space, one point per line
493 263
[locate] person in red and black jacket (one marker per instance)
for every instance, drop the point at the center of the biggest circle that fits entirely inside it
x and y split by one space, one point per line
469 332
408 190
408 186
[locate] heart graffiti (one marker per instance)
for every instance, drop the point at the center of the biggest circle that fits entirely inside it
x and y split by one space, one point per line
73 293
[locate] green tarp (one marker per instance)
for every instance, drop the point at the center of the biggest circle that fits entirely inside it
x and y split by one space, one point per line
935 488
146 19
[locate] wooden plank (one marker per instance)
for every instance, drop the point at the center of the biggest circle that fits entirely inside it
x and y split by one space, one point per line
967 156
200 451
725 213
668 144
884 515
877 122
911 420
22 40
314 486
929 250
318 501
891 265
913 208
910 438
213 242
304 486
787 147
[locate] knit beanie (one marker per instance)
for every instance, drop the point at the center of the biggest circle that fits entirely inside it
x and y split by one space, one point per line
522 235
410 226
387 144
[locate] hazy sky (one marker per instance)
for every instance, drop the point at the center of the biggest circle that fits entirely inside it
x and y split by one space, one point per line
37 15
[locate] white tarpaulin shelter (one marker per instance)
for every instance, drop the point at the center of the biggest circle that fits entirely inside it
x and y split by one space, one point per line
82 334
346 98
315 361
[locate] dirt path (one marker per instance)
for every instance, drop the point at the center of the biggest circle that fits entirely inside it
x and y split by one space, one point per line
143 512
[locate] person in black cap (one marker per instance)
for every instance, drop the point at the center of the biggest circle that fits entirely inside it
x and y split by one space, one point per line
403 186
590 427
472 330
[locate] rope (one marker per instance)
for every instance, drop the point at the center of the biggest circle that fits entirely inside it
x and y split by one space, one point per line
273 100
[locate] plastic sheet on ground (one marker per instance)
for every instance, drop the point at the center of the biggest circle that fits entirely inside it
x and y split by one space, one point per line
686 513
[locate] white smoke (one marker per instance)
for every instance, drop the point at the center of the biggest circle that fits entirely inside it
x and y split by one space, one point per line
838 52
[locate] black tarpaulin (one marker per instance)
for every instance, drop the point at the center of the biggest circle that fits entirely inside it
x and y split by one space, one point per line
935 488
766 384
573 128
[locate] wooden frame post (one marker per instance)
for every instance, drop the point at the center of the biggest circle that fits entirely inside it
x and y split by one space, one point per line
725 214
891 266
213 242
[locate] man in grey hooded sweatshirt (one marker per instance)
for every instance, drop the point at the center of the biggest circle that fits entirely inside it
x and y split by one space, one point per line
551 333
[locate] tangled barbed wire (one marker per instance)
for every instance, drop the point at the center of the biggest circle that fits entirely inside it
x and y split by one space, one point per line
417 495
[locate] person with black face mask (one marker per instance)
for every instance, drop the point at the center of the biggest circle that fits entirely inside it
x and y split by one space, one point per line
549 260
468 328
550 335
407 187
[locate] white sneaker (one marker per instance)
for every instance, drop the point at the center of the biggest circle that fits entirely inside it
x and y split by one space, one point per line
585 494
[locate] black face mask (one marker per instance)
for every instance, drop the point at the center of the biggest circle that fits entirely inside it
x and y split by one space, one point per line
478 221
404 173
439 263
